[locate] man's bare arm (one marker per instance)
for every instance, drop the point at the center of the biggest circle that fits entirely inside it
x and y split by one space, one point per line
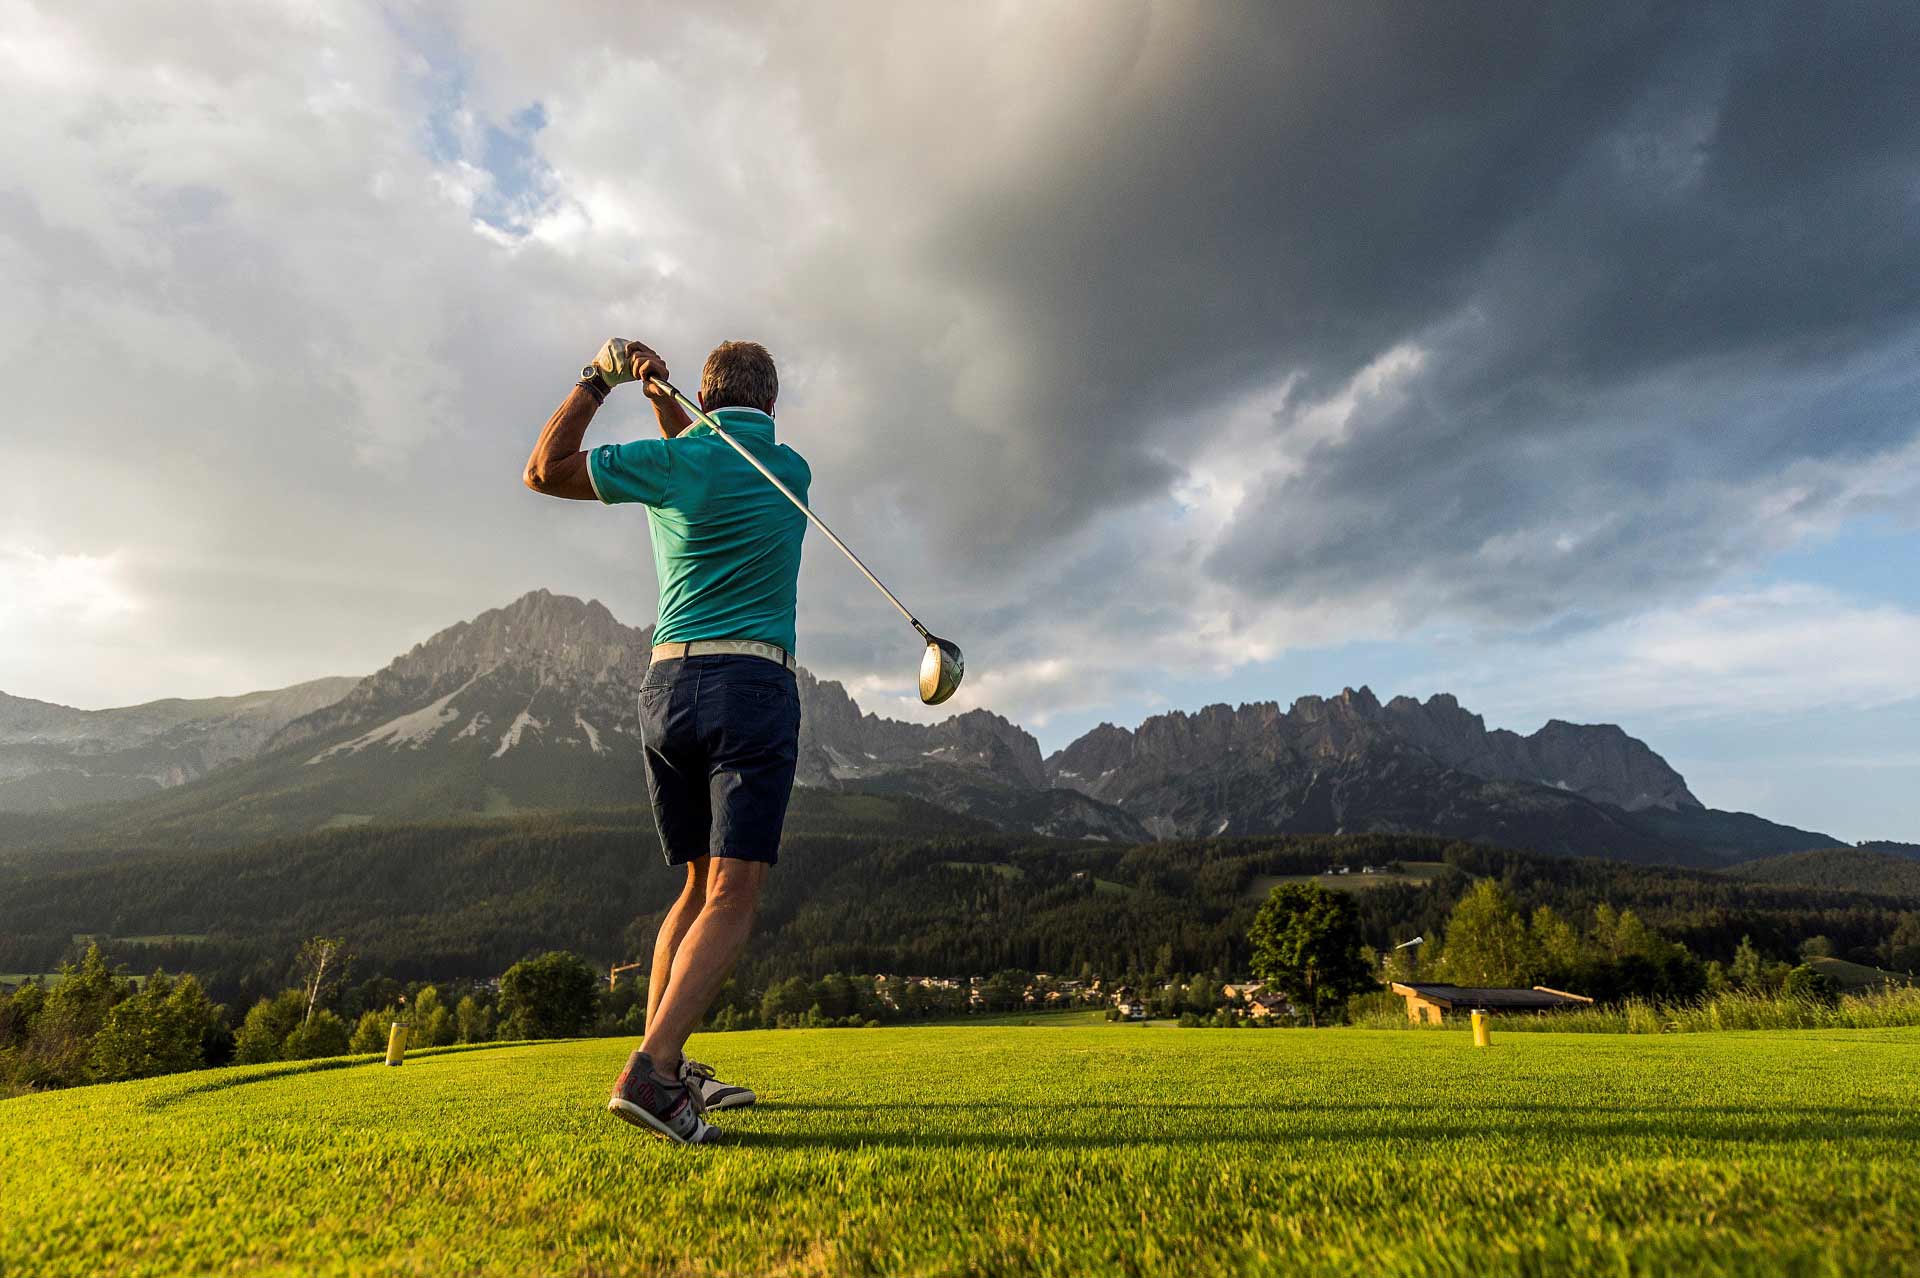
673 418
557 467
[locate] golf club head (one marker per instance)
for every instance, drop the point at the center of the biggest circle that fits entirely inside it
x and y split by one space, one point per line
941 669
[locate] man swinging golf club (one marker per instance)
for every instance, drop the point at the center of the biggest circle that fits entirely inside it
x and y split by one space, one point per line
719 709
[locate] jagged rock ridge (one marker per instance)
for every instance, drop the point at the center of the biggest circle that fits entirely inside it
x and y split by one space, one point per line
549 675
1257 768
533 706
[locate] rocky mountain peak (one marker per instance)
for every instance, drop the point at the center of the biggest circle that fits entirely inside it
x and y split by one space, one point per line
558 633
540 640
1151 770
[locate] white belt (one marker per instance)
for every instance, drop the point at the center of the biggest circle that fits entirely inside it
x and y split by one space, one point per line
732 647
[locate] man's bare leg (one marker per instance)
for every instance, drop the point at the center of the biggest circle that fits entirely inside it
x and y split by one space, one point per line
673 930
704 957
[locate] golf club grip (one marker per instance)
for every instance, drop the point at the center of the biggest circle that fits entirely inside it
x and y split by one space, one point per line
706 419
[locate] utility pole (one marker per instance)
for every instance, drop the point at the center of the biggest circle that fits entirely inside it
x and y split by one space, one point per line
613 973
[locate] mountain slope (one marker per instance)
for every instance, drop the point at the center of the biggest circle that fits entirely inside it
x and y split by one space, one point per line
1348 763
54 757
1163 770
1847 869
866 883
533 707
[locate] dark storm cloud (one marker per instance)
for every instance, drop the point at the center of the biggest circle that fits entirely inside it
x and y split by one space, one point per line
1720 282
1095 319
1658 260
1269 191
1608 192
1670 246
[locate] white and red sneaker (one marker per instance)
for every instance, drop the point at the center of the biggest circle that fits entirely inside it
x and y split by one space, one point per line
665 1107
709 1092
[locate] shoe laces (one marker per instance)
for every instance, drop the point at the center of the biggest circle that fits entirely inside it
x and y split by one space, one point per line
692 1075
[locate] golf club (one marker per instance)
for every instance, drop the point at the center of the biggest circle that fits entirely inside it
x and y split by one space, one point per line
942 666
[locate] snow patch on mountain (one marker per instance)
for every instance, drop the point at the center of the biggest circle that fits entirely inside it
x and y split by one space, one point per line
511 738
412 730
593 737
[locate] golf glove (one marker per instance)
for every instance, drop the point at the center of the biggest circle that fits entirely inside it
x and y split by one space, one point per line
612 365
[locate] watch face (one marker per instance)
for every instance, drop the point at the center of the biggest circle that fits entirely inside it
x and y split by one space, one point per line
587 371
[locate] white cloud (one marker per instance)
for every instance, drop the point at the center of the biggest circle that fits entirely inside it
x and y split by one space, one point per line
1066 310
1781 650
59 593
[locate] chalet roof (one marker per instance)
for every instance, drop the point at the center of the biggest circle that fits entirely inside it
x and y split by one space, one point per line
1451 996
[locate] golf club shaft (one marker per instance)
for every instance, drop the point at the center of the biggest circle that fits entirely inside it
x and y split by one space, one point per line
706 419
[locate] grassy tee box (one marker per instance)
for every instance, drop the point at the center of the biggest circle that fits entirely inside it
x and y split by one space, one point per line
1004 1151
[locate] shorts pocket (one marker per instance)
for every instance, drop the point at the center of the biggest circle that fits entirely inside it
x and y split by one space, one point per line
756 694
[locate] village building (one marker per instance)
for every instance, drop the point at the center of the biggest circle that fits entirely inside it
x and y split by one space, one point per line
1431 1004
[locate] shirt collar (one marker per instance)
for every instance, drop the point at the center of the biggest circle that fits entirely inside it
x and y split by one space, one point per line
746 421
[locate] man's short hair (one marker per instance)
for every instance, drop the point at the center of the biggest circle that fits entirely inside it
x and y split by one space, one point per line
739 375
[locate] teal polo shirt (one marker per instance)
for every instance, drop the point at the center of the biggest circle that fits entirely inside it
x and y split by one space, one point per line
726 544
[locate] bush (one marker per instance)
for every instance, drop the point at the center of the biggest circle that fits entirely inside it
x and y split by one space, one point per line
474 1020
160 1030
1808 982
266 1028
552 996
324 1035
370 1032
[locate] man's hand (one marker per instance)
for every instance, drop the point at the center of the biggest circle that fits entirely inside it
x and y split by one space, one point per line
613 365
647 365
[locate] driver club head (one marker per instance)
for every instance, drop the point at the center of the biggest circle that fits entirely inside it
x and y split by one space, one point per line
941 669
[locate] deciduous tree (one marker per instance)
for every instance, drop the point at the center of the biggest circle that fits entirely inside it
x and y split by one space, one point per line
552 996
1306 946
1486 941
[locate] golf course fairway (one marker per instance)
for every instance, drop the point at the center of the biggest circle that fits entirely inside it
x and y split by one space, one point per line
1002 1151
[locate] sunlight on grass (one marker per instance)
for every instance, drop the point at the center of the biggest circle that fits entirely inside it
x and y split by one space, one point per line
1001 1151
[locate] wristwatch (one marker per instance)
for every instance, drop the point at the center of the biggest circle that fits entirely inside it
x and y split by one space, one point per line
592 383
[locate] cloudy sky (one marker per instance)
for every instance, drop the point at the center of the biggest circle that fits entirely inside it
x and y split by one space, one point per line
1560 357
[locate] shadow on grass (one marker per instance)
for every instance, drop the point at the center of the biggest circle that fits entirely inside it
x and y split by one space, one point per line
226 1077
1186 1123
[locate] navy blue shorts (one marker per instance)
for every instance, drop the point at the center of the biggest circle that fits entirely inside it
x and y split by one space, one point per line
722 735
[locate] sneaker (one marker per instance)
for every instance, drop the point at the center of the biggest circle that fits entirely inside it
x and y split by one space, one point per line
708 1091
662 1107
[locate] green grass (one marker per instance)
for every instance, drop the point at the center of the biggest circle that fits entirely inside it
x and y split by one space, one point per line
1046 1019
1414 873
1012 873
1895 1007
346 820
1857 976
1010 1151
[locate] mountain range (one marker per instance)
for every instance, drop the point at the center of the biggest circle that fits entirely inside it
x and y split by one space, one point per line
532 707
54 756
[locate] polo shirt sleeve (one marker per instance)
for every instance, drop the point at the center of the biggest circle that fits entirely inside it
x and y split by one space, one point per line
639 471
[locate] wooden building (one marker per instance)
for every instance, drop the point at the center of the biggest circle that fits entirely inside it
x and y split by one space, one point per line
1432 1003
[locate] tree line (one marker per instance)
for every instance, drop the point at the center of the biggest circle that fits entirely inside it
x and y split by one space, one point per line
875 887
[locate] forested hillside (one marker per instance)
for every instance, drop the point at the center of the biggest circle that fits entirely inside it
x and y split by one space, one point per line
1856 869
865 884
